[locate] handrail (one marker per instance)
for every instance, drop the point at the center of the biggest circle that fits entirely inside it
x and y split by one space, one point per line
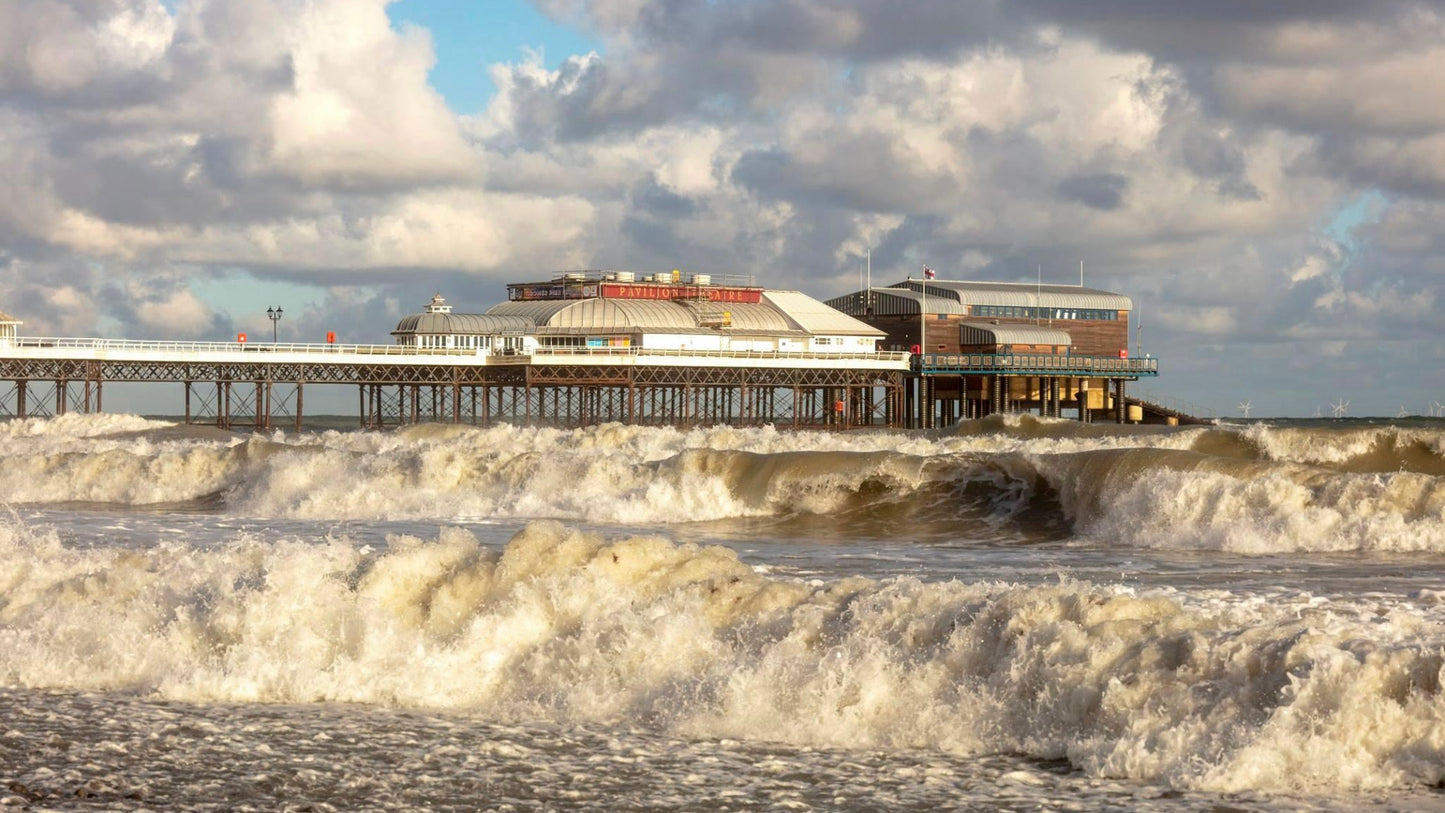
887 355
332 350
1025 362
1173 404
249 347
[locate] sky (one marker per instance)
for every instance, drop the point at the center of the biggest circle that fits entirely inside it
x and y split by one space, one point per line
1266 180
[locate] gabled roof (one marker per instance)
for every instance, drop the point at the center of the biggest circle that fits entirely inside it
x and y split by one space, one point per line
816 317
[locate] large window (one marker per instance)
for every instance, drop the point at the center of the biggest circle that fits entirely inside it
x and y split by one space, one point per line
1014 312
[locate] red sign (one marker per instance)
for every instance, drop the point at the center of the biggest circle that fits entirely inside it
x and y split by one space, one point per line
712 294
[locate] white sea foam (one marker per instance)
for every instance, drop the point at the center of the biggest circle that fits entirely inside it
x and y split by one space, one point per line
1188 501
76 425
1209 489
1336 446
1203 689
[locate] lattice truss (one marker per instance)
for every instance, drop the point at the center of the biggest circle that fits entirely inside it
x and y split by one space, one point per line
262 395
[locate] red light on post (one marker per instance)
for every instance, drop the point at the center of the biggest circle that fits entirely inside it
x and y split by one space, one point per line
1123 354
241 337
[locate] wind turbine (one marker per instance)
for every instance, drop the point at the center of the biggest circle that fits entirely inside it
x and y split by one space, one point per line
1403 413
1245 408
1318 412
1437 411
1340 407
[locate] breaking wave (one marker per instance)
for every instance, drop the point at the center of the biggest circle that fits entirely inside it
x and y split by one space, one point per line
1249 490
1196 690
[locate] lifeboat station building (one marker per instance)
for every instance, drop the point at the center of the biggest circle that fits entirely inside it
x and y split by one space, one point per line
981 348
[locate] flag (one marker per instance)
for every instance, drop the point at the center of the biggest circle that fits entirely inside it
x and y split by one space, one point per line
928 273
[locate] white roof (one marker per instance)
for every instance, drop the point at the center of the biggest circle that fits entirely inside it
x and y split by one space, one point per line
817 318
570 316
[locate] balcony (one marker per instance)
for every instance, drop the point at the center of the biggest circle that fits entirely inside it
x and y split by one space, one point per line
1034 364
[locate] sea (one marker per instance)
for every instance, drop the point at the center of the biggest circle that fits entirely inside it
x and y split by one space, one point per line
1013 614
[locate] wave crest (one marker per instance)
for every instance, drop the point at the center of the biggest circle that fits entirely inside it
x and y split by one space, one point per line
1188 690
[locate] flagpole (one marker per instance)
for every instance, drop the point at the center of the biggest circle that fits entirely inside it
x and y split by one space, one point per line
922 313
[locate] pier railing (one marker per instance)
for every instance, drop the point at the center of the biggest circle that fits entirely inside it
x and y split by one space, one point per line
338 352
892 356
1033 364
146 346
1171 404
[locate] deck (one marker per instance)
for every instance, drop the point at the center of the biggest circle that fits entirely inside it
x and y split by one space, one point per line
262 385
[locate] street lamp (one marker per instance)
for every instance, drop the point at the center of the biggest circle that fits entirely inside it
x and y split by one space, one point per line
275 315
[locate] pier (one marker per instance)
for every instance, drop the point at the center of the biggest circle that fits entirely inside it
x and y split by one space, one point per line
665 349
263 386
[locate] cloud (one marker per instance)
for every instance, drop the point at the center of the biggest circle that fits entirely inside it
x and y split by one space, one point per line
359 112
1197 156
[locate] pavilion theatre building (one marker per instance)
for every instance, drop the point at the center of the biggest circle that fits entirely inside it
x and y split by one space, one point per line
666 348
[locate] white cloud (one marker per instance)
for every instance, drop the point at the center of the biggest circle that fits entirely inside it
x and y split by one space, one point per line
361 111
180 314
1199 162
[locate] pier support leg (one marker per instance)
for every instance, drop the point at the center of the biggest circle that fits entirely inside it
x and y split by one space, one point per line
263 405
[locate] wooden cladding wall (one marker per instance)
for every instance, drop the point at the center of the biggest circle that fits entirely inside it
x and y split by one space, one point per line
1090 337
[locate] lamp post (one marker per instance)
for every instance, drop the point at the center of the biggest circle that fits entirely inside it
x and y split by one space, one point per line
275 316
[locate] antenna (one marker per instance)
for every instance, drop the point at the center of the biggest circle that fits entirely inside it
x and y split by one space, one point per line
868 304
1039 296
1340 408
1245 408
1139 331
1081 273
